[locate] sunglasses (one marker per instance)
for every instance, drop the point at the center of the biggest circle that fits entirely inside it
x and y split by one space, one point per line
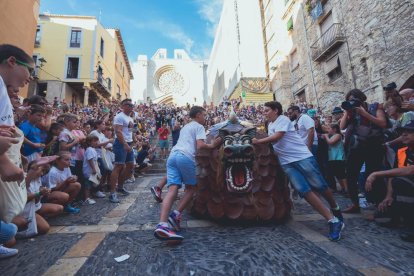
29 68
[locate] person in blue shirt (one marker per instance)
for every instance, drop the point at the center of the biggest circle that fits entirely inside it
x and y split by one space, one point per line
33 146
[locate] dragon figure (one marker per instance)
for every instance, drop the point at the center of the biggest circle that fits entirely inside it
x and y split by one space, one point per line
240 181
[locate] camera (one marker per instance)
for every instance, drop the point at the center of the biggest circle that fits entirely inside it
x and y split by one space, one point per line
351 104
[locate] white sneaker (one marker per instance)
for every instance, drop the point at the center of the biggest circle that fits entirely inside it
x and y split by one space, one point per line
89 201
7 252
100 194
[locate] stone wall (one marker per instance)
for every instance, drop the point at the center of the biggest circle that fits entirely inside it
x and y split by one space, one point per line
377 49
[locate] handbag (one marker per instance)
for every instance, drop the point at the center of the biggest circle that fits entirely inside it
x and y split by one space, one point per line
106 160
29 213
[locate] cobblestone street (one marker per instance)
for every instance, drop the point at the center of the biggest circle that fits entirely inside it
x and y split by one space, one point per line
87 244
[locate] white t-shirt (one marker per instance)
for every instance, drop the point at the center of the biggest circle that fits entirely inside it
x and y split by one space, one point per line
127 124
55 177
291 147
305 122
34 188
102 139
13 194
90 153
187 142
6 108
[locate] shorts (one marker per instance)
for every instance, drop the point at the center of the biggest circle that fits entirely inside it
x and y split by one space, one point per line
180 170
121 155
337 168
163 144
305 175
7 231
101 166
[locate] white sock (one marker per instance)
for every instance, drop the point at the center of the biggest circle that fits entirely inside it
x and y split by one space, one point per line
333 220
176 212
164 224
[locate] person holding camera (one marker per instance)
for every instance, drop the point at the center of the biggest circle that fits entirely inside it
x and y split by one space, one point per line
364 124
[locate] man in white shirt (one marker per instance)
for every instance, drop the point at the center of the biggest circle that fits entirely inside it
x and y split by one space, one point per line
300 166
122 148
181 169
305 127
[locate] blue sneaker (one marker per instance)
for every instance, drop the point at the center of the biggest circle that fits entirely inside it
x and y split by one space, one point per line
166 234
335 229
174 220
71 210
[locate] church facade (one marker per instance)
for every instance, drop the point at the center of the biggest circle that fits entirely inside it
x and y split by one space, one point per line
178 80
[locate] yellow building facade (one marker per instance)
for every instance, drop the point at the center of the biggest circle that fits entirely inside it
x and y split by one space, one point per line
18 25
78 60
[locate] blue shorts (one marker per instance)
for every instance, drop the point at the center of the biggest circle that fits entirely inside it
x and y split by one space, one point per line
180 170
121 155
7 231
305 175
163 144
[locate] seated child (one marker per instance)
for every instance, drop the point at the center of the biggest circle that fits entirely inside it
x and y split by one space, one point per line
35 191
62 184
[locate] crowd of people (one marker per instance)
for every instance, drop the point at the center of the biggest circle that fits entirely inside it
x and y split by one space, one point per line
57 156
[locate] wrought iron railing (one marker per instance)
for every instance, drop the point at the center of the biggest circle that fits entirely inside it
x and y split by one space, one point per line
331 38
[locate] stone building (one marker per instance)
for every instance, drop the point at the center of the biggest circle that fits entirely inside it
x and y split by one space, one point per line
318 50
177 80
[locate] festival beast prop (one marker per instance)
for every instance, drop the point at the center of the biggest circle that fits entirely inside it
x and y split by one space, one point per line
240 181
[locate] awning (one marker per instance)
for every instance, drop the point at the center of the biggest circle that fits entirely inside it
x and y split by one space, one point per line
331 64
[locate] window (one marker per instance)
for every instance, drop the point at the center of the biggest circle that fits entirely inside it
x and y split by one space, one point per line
290 24
286 1
116 58
294 60
301 96
109 81
326 23
179 56
73 68
37 37
333 68
102 48
75 38
161 55
35 71
118 89
123 71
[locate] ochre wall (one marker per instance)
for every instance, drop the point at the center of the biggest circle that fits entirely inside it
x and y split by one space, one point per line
18 21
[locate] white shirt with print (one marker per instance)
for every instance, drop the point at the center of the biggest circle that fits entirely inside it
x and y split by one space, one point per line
291 147
187 142
127 123
305 122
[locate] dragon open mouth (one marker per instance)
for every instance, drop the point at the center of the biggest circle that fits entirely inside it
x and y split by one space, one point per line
238 176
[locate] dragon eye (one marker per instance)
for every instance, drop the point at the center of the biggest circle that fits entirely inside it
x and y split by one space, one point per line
246 142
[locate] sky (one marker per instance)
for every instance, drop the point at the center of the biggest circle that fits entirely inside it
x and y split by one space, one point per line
147 25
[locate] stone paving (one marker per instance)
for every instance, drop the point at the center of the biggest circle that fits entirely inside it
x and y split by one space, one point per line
87 244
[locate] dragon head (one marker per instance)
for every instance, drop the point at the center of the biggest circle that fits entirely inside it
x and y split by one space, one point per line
238 158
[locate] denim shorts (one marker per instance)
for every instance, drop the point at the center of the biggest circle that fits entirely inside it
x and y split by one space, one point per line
7 231
163 144
121 155
305 175
180 170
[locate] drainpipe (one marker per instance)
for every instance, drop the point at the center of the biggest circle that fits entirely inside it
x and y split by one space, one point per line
309 55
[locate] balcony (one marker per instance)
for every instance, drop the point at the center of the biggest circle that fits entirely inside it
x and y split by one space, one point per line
102 86
329 41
